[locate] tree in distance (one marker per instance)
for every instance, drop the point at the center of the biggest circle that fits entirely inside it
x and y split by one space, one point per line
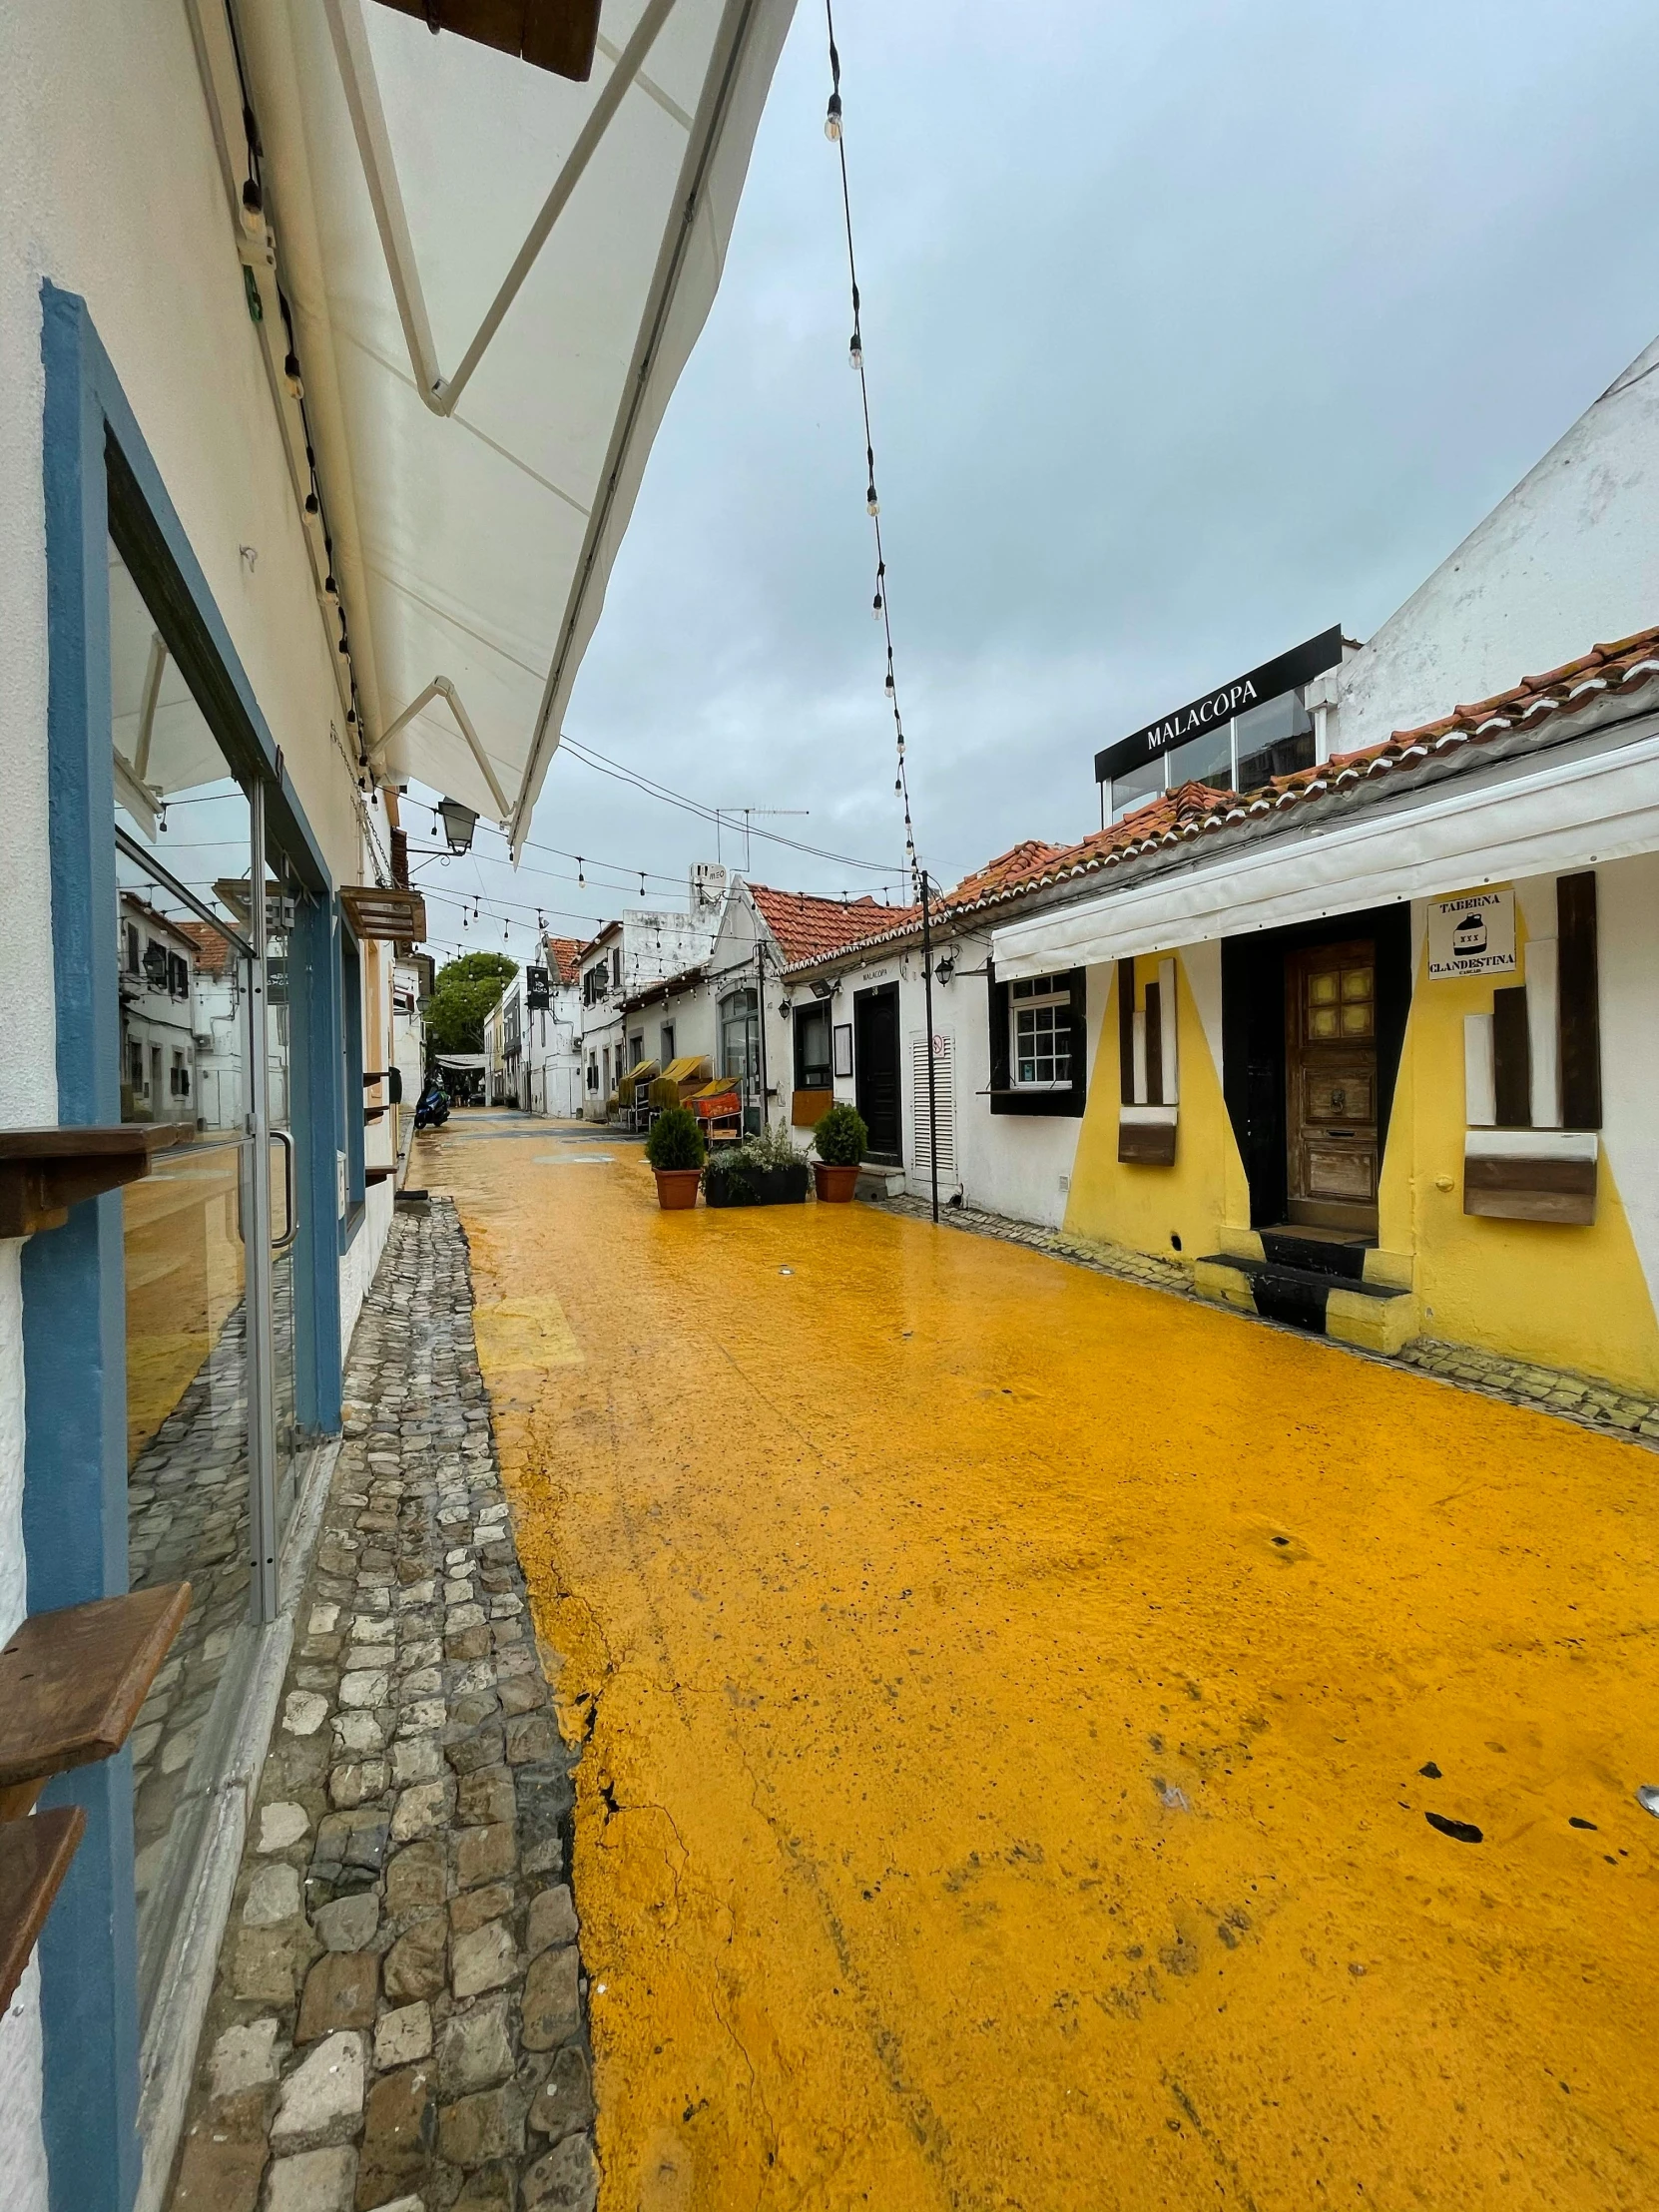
466 989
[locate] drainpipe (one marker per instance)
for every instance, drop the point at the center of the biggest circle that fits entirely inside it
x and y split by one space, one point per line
933 1097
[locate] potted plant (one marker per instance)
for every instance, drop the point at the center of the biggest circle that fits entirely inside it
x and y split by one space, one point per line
841 1141
676 1153
765 1169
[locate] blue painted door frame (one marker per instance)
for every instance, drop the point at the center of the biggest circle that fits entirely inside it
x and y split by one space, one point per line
99 476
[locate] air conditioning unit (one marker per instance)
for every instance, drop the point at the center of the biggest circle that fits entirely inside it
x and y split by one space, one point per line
202 1040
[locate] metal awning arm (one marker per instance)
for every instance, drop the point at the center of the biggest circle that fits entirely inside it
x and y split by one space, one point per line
368 123
441 688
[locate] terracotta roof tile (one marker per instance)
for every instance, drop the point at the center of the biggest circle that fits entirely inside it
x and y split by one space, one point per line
563 954
809 928
1202 811
212 952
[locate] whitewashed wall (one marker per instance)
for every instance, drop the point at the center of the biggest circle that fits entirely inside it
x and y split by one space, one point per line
110 187
1568 560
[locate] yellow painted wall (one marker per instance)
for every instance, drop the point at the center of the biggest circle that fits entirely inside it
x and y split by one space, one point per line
1573 1297
1566 1297
1141 1206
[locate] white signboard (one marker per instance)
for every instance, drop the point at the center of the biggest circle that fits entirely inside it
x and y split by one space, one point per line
1473 934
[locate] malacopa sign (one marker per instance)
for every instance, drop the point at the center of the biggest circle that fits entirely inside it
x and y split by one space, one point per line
1270 681
1473 934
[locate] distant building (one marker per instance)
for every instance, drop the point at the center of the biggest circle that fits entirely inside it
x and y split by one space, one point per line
158 1016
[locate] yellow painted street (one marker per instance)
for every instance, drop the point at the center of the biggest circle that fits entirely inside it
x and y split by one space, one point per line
1013 1703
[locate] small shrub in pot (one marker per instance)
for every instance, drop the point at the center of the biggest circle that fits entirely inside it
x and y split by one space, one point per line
841 1141
676 1153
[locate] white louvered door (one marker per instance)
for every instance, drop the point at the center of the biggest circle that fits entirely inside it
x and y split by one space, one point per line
945 1095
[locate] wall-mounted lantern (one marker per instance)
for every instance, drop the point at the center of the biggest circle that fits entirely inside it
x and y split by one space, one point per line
459 825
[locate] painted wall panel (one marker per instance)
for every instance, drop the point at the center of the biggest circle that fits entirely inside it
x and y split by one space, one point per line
1144 1206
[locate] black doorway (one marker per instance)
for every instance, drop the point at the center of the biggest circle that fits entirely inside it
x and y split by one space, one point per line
1253 1026
875 1045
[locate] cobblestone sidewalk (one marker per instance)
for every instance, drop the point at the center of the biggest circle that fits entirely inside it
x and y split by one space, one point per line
1584 1398
399 2018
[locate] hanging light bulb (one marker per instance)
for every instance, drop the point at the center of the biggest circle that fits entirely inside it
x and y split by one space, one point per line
331 589
290 374
876 605
833 119
889 684
856 351
253 209
642 882
314 505
873 505
580 878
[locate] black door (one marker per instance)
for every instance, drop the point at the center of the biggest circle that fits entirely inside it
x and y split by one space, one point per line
875 1045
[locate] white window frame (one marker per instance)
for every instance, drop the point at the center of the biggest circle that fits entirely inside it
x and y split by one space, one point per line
1033 995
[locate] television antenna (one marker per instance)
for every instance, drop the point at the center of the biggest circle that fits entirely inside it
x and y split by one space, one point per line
730 815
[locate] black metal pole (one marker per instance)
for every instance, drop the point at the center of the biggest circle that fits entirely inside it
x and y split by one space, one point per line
932 1092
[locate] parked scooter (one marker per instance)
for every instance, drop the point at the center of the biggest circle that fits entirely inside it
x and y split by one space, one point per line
434 1109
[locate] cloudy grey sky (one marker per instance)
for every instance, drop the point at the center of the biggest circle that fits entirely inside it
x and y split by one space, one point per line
1191 330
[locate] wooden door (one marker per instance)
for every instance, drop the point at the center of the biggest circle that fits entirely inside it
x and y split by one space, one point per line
1331 1086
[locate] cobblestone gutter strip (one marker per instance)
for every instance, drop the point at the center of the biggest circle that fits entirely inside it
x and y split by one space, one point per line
399 2018
1584 1398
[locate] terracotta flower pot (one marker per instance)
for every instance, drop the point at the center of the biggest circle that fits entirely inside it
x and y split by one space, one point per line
676 1188
835 1185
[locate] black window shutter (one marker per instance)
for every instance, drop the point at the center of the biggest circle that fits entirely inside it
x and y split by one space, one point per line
1575 909
997 999
1077 1097
1511 1060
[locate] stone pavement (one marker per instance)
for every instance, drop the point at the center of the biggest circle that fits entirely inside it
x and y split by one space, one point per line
399 2013
1585 1398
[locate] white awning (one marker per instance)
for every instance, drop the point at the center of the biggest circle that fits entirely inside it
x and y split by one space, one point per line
1566 814
498 276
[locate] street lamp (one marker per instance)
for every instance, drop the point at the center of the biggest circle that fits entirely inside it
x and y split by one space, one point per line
459 825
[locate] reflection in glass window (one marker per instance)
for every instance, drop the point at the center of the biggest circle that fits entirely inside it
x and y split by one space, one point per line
182 838
740 1052
1135 788
812 1048
1206 759
1275 739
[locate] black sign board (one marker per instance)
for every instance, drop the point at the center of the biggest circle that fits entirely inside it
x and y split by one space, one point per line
1274 678
538 993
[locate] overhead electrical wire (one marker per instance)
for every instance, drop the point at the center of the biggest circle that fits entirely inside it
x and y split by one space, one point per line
879 606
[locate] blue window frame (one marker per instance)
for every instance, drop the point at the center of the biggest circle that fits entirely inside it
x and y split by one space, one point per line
100 482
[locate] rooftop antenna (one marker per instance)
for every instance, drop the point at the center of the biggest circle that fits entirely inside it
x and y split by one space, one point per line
747 813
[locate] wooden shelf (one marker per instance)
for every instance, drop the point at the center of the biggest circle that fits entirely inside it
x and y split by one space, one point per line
33 1857
379 1175
72 1682
44 1172
374 1113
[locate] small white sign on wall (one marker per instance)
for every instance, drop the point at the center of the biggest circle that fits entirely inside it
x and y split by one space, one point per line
1473 934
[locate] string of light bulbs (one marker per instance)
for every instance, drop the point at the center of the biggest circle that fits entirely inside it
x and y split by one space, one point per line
880 605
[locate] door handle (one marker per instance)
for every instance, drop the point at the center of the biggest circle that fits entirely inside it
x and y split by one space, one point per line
281 1243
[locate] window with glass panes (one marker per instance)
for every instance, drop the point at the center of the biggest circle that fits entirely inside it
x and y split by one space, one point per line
1039 1006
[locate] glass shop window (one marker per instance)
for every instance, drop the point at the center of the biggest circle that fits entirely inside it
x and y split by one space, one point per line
1206 759
1135 788
1275 739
